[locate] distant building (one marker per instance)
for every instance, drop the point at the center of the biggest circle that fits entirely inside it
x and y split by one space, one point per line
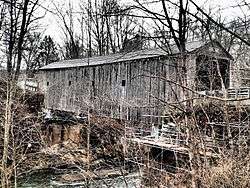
135 85
28 84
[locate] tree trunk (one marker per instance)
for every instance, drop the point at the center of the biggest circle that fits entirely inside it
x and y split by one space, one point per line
7 127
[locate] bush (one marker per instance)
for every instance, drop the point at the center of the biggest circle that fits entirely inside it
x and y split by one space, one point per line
230 172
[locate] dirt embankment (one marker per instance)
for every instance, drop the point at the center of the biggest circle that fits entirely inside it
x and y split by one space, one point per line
64 149
31 148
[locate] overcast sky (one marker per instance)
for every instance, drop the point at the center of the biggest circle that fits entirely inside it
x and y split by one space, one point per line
226 7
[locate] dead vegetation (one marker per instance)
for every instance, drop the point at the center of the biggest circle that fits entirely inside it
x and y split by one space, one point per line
216 137
70 158
26 120
34 154
106 136
231 171
31 150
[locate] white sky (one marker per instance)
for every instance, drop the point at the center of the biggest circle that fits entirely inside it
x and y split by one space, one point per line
52 27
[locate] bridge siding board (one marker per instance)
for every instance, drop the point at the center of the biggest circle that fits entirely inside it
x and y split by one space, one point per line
63 96
80 95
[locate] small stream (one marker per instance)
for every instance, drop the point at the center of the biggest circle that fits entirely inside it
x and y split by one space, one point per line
49 180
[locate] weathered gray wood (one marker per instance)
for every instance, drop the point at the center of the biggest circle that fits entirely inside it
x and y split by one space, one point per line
100 87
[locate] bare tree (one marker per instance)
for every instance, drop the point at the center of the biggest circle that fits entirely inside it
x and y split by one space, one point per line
72 41
19 17
107 27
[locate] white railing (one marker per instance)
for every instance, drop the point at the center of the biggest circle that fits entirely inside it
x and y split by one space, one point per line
177 139
239 93
232 93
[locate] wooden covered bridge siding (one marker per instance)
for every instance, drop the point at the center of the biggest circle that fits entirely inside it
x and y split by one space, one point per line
129 90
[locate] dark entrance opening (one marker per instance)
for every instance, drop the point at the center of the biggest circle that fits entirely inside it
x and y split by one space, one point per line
211 73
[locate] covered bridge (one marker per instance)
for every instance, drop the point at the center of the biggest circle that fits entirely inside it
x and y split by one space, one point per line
135 85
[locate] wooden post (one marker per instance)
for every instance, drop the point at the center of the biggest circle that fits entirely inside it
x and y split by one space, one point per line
74 134
88 140
56 134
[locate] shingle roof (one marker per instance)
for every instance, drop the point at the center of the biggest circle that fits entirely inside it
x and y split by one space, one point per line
119 57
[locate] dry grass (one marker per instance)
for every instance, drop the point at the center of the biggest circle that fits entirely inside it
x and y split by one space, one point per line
230 172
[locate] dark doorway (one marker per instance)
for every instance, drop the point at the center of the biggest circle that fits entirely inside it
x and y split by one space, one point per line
211 73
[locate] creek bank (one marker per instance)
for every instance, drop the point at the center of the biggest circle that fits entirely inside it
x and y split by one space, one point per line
46 179
61 167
